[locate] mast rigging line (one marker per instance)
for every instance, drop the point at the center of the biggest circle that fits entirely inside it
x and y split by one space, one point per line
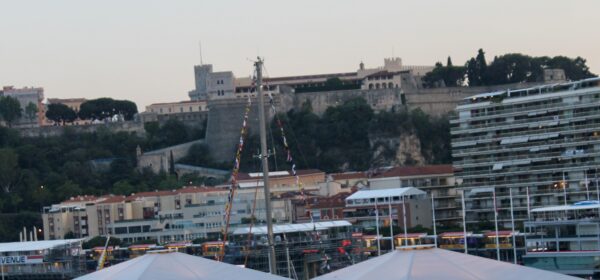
287 150
235 172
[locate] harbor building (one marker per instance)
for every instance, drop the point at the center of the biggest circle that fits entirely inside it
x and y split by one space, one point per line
437 180
363 207
54 259
565 239
542 144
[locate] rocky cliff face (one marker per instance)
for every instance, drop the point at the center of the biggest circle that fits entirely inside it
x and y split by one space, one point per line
396 150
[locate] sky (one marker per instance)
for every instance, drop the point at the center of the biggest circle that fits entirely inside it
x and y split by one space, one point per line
145 50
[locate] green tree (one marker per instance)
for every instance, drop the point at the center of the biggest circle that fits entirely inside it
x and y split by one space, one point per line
103 108
67 190
100 241
445 76
10 109
9 169
575 69
31 111
512 68
123 187
60 113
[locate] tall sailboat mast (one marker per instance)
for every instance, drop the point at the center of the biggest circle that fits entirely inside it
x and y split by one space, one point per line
264 154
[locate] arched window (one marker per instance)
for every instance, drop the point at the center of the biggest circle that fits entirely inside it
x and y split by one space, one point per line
377 86
370 86
383 85
391 85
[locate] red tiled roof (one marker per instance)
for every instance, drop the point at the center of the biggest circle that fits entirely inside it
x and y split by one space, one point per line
113 199
183 190
80 198
348 175
404 171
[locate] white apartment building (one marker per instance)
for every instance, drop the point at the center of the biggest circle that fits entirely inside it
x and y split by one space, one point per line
543 140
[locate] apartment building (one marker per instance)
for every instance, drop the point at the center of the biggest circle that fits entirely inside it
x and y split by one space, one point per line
176 215
543 141
436 180
369 208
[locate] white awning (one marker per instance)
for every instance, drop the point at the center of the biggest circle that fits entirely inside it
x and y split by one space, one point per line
583 206
285 228
35 245
366 194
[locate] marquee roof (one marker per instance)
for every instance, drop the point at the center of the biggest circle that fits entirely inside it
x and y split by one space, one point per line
176 266
433 264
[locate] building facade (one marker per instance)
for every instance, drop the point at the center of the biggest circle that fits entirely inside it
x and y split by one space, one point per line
26 96
437 180
210 85
543 141
175 215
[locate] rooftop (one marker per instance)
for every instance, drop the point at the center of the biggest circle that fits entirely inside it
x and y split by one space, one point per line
499 96
35 245
283 228
583 205
278 174
367 194
349 175
406 171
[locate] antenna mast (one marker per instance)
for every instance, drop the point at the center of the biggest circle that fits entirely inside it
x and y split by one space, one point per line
200 49
264 154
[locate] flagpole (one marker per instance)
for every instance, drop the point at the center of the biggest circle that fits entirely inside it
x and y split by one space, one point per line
464 221
496 224
528 206
512 219
391 222
404 220
587 189
434 226
564 186
598 199
377 228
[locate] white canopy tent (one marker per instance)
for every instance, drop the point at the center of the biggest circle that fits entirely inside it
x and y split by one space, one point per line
176 266
432 264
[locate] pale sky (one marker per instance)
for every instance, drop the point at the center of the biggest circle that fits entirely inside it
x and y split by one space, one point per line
145 50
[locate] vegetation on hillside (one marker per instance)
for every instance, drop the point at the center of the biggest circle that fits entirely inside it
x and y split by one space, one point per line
340 140
505 69
36 172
